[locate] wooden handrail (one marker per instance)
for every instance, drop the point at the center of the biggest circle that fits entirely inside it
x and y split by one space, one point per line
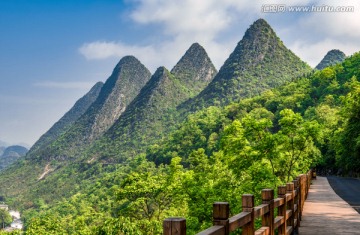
289 205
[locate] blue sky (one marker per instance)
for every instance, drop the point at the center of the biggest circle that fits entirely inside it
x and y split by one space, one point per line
52 52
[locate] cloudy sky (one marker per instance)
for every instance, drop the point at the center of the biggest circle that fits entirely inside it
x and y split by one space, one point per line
52 52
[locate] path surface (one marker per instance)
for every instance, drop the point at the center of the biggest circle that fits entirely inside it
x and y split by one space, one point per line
326 213
348 189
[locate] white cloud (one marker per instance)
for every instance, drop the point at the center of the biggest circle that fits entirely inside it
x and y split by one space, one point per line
65 85
219 25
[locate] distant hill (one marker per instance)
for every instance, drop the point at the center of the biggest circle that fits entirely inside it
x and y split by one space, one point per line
331 58
259 62
11 154
68 119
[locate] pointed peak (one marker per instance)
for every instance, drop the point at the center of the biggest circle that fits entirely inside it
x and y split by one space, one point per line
259 27
195 47
261 22
161 70
127 60
194 57
331 58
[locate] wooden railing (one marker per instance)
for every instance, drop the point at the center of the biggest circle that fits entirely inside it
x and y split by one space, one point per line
289 206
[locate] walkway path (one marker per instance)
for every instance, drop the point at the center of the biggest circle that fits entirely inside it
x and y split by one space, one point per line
326 213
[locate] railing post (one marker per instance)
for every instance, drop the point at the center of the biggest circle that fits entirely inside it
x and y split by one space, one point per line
313 174
221 212
290 204
302 183
296 202
248 206
174 226
282 209
267 196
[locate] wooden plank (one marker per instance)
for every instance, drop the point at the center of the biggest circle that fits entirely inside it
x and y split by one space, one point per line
263 231
261 210
279 220
278 202
289 230
214 230
239 220
288 213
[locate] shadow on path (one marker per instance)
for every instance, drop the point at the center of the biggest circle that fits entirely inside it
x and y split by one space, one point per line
348 189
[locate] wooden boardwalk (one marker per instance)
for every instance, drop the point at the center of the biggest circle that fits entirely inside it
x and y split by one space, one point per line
326 213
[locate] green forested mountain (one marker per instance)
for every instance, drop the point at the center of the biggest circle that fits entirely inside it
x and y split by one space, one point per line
152 114
160 160
11 154
67 120
259 62
127 79
219 153
331 58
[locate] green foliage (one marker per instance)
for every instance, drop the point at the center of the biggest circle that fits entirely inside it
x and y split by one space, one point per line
5 218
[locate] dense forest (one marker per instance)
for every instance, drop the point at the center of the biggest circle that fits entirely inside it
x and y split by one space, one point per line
219 154
215 153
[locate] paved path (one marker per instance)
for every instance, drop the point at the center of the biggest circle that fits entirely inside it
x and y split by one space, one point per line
348 189
326 213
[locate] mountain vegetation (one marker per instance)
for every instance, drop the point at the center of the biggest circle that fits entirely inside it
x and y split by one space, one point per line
193 136
331 58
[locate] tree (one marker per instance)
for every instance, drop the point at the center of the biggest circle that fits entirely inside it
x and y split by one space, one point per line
5 218
297 150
